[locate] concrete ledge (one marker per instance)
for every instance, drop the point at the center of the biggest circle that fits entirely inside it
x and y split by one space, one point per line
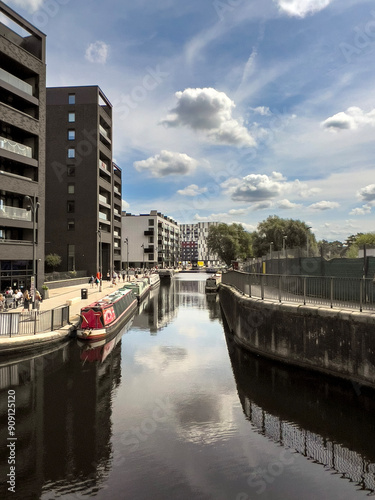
364 317
30 342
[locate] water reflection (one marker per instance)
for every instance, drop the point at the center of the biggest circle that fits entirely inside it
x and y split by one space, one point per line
327 421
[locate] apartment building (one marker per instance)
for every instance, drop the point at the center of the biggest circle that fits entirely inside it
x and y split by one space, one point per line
22 151
150 240
194 246
83 185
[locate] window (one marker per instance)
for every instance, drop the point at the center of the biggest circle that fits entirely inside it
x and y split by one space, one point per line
71 117
71 171
151 222
71 152
71 135
70 207
72 99
71 188
71 225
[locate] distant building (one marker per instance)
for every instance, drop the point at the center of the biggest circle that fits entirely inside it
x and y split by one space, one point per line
83 185
22 150
152 240
194 246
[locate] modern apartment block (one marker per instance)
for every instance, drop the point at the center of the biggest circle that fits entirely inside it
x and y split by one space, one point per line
194 244
83 185
22 150
150 240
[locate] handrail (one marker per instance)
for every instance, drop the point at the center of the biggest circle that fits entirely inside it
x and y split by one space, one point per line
329 291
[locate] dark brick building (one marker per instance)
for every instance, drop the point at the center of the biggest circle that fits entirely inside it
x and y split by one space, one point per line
22 150
83 185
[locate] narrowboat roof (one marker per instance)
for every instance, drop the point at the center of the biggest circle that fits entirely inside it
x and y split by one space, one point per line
110 298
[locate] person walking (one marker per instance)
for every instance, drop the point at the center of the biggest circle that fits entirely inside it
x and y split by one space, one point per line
26 301
38 300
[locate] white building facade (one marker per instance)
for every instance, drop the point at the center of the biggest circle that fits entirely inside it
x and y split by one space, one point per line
194 246
150 240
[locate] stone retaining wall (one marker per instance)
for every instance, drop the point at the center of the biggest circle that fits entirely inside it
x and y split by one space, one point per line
339 343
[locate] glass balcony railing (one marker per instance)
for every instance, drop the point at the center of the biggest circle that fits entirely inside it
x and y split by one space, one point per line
102 164
103 216
15 213
103 131
15 147
103 199
16 82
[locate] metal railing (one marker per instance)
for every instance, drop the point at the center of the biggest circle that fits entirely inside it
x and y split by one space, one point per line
349 293
33 322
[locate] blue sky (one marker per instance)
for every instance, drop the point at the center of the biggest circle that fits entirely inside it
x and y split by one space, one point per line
229 110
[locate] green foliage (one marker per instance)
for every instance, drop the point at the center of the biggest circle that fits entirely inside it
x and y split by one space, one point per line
229 242
365 239
274 229
53 260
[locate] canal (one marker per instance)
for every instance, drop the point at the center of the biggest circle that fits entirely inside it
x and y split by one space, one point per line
171 408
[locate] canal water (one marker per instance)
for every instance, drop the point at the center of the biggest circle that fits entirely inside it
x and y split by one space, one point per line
171 408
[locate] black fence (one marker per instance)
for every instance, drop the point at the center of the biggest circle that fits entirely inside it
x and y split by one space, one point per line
356 293
33 322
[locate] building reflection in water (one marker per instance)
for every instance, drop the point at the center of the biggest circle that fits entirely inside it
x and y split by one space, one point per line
299 410
63 421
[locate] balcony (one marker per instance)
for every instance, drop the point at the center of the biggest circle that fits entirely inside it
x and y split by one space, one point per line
15 147
149 232
103 199
15 213
16 82
103 165
104 133
103 216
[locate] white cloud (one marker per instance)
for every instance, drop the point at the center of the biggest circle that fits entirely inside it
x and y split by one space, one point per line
350 119
287 205
367 193
261 187
301 8
167 163
364 210
254 187
97 52
262 110
210 111
192 190
29 5
124 205
261 205
324 205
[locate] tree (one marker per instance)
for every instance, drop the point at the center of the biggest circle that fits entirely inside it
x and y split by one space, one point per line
275 229
53 260
367 239
229 242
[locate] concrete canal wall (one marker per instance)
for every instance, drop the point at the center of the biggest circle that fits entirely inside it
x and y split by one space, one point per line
336 342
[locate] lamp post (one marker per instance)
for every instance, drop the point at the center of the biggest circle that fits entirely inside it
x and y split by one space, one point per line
100 260
127 258
33 207
271 245
284 245
143 256
307 240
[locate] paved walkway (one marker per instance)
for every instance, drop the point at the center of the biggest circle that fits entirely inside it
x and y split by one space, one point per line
58 297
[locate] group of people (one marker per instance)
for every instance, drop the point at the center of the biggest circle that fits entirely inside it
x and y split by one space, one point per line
14 298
